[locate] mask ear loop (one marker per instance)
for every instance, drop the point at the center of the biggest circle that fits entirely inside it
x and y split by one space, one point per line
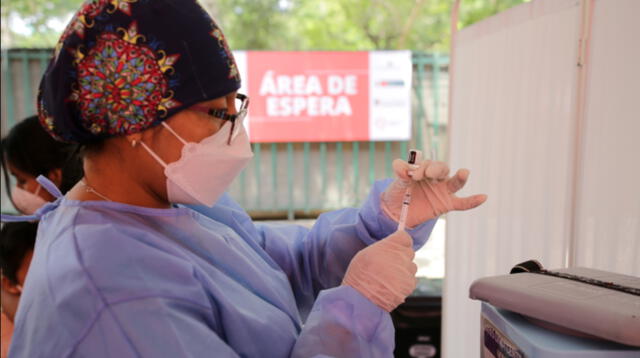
152 153
173 132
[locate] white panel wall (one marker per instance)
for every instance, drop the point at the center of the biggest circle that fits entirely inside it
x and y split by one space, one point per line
512 125
608 215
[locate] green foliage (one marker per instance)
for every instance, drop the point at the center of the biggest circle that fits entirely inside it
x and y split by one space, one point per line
472 11
422 25
36 14
251 24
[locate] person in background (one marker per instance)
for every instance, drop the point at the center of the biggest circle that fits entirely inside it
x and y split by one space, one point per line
151 258
29 151
16 249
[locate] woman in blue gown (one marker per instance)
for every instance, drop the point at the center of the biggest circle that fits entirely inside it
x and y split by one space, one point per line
119 270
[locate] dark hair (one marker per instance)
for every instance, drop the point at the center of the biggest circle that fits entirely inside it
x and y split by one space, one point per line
16 239
29 148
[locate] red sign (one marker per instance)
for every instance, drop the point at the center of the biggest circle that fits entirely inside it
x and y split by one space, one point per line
307 96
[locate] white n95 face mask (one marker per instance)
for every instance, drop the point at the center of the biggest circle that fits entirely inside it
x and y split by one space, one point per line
205 169
26 201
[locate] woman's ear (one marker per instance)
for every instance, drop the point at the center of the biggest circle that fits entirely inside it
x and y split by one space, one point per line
134 139
55 175
9 287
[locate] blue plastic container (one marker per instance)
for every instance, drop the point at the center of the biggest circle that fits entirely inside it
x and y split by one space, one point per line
510 335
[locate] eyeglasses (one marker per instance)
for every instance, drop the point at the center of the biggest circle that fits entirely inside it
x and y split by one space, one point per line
242 105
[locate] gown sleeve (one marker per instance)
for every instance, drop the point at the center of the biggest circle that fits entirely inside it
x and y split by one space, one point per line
317 258
343 323
339 321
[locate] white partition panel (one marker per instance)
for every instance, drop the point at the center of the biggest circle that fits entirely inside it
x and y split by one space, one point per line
608 211
512 125
556 145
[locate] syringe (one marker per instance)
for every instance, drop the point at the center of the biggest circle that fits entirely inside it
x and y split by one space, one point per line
414 156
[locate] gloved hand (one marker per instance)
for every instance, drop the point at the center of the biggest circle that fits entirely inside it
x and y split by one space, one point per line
432 194
384 272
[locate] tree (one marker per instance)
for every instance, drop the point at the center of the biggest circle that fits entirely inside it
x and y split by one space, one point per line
39 16
421 25
252 24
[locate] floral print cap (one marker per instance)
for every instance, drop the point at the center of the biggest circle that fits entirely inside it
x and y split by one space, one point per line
122 66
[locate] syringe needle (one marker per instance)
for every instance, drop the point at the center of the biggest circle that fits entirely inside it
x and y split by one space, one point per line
406 200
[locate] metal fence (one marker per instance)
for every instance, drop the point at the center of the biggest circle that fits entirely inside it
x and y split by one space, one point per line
284 180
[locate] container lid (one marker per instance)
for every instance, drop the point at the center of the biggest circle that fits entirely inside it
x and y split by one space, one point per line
594 310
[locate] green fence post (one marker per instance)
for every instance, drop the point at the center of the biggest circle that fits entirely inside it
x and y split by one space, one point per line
44 61
372 163
323 168
257 161
356 172
339 172
29 107
387 159
290 205
274 175
8 86
307 190
435 88
403 150
420 63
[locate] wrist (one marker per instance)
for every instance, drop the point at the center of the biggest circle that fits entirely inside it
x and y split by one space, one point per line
381 303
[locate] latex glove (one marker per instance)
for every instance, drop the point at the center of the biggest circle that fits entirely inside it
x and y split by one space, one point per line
432 194
384 272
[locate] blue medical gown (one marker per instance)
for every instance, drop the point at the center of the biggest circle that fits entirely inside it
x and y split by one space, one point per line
115 280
